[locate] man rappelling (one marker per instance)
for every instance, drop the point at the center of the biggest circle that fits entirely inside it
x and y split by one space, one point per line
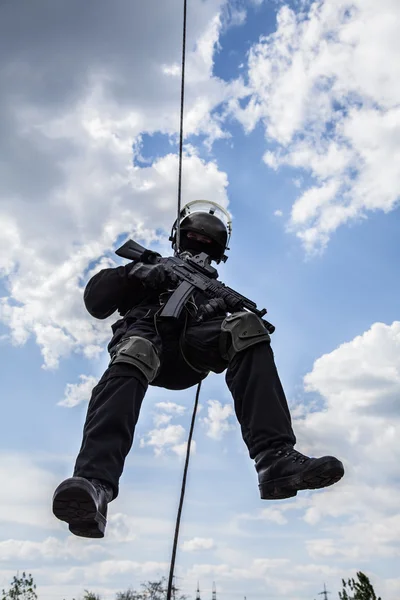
208 336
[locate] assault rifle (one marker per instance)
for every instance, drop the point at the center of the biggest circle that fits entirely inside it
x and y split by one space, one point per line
193 272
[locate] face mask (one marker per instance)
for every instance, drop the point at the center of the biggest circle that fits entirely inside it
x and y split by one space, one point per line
195 247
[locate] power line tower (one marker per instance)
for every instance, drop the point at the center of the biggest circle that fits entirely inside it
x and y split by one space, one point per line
198 592
214 592
324 593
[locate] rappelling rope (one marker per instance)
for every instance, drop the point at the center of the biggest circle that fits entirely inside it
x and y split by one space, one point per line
178 518
178 220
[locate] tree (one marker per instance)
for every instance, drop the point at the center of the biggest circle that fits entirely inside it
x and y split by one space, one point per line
359 590
152 590
129 595
22 588
90 596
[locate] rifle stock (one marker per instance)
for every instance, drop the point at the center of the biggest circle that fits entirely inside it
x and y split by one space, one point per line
131 250
137 252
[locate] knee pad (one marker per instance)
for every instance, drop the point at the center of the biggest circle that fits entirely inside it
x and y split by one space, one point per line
138 352
240 331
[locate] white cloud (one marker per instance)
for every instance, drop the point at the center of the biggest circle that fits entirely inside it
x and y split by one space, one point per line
172 407
50 549
326 87
102 571
47 288
350 366
74 143
160 419
167 439
197 544
175 410
275 515
121 528
264 565
75 393
165 435
217 419
389 588
141 525
360 385
181 449
25 499
276 512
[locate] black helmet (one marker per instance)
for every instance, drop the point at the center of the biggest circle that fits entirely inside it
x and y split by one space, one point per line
204 223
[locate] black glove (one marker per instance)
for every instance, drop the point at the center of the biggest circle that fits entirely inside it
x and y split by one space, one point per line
155 277
216 307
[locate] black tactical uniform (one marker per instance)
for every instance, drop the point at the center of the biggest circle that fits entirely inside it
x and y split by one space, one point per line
175 355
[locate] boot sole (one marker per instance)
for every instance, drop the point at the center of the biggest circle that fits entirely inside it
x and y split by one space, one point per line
320 476
74 504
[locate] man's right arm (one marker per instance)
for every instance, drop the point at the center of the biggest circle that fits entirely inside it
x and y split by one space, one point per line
110 289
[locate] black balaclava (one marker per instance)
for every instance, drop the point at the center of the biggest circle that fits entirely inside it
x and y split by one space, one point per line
208 225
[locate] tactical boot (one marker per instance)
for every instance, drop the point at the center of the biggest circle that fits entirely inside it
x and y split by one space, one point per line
82 503
283 472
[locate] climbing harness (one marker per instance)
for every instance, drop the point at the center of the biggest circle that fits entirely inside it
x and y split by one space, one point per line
183 487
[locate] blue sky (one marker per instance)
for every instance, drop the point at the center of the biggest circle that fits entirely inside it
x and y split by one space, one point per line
90 157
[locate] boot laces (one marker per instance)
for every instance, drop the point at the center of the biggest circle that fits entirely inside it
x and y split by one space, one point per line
103 486
296 456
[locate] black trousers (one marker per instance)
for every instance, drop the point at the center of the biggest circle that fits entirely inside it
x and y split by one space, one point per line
259 400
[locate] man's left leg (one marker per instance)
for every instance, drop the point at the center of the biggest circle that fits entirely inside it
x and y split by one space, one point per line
252 377
263 413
